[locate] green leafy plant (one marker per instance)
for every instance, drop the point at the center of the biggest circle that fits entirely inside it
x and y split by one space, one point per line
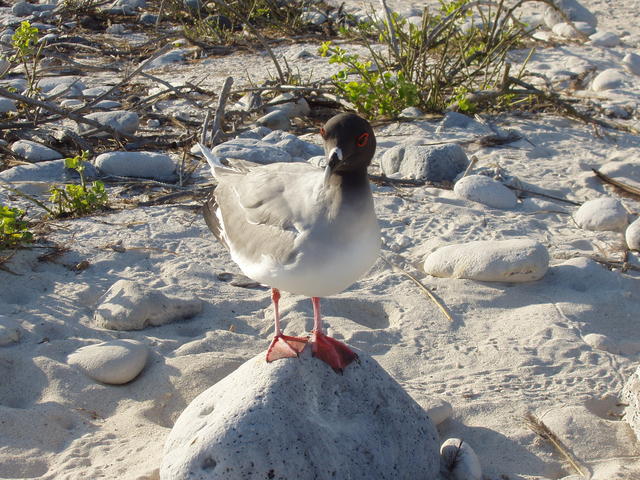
454 54
14 231
75 200
27 52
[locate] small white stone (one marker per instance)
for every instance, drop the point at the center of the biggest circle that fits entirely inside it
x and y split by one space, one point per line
631 63
276 120
601 342
608 79
573 9
631 396
604 39
439 412
485 190
517 260
632 235
602 214
34 152
71 102
459 461
114 362
132 306
9 331
121 120
251 150
437 163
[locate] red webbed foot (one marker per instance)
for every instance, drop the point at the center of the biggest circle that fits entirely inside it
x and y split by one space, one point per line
332 352
284 346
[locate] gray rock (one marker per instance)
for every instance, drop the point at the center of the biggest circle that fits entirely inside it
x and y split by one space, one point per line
22 9
313 17
34 152
276 120
604 213
608 79
631 63
257 133
573 9
174 56
631 396
297 419
121 120
295 107
292 144
601 342
485 190
438 163
410 113
36 179
9 331
632 235
252 151
147 18
114 362
7 105
513 261
158 166
196 7
131 306
455 120
96 91
50 85
119 28
71 102
604 39
565 30
107 105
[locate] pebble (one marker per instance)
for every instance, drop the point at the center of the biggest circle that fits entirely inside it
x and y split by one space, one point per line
276 120
631 63
459 461
220 22
295 107
130 305
114 362
313 17
601 342
147 18
9 331
158 166
121 120
513 261
604 39
263 418
153 123
573 9
411 113
96 91
50 85
7 105
453 120
485 190
632 235
631 396
22 9
251 150
71 102
34 152
439 163
602 214
107 105
35 179
565 30
608 79
174 56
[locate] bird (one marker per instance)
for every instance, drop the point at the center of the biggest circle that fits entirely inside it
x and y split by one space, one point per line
302 229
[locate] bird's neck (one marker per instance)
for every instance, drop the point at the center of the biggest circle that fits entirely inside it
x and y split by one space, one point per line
351 183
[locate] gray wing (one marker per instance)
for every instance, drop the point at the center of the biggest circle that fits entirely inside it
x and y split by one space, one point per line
267 211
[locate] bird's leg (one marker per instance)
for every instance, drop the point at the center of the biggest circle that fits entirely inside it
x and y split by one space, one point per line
283 346
332 352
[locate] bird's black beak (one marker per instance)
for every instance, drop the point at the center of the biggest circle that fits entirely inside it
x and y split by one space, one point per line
333 160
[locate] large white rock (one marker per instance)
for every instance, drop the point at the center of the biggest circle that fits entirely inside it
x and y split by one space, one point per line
7 105
437 163
573 9
297 419
518 260
251 150
632 235
631 396
566 30
631 63
604 39
131 306
459 461
485 190
34 152
604 213
608 80
114 362
154 165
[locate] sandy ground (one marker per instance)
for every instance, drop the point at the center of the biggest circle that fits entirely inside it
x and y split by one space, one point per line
510 348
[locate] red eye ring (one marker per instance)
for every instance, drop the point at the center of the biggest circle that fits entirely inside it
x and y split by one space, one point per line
323 133
362 140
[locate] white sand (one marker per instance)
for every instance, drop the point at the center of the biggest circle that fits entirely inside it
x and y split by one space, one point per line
510 349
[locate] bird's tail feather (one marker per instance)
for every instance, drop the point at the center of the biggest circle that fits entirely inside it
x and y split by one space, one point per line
214 162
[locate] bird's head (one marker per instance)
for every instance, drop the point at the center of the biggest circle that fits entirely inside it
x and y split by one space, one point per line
349 144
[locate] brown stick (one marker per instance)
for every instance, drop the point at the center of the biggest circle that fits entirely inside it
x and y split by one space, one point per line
216 127
622 186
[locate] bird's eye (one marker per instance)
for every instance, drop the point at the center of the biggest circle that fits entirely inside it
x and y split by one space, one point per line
362 140
323 132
